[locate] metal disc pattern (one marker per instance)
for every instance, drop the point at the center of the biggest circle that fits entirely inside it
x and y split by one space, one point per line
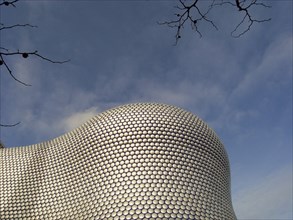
137 161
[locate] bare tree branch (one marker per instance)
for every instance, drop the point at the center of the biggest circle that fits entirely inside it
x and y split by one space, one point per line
7 3
3 27
245 7
247 16
5 52
24 55
2 61
9 125
47 59
194 13
34 53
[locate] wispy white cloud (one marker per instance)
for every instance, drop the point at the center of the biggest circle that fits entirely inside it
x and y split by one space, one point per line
78 118
275 65
268 197
257 89
199 96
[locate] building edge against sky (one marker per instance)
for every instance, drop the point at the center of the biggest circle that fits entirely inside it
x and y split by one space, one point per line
142 160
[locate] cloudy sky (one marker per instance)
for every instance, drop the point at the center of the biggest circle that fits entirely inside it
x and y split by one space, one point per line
242 87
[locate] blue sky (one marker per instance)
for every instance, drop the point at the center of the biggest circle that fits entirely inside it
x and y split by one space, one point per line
119 54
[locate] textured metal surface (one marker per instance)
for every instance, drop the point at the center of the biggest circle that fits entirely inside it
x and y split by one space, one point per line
137 161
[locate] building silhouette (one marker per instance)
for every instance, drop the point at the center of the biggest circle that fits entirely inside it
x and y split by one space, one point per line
137 161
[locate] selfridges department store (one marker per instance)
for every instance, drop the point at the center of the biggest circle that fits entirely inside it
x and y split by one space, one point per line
137 161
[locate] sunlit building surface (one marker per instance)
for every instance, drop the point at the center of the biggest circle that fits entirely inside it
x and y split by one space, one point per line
137 161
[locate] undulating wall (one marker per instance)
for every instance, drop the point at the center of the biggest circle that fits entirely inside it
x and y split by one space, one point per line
137 161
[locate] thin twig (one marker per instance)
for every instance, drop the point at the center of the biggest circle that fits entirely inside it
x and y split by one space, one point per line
9 125
10 71
34 53
24 55
7 3
16 25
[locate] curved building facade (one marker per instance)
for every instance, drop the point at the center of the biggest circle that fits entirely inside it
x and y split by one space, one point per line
137 161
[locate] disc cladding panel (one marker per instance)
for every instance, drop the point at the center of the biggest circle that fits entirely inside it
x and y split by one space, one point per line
137 161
